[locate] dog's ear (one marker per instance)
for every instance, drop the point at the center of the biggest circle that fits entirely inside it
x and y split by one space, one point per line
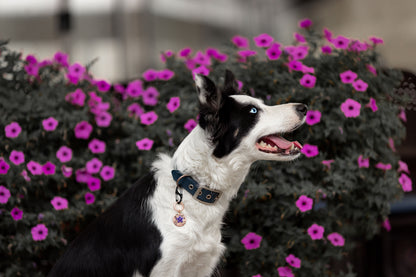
208 94
230 84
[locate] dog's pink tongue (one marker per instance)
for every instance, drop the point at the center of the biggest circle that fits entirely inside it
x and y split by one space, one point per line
280 142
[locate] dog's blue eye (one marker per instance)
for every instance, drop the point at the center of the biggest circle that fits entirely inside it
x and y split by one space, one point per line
253 110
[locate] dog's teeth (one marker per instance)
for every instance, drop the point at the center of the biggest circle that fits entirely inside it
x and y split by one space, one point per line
262 143
268 145
275 147
292 147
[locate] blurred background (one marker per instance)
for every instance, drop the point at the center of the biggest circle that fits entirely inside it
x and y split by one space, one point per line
127 37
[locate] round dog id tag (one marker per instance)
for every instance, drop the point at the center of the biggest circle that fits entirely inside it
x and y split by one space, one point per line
179 219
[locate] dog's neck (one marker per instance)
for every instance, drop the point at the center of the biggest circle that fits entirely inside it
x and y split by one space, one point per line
194 157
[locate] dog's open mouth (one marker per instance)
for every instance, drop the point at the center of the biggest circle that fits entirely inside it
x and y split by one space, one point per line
276 144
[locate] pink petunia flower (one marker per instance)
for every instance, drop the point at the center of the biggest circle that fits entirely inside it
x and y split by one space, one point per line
372 104
61 58
328 34
103 119
134 88
76 97
307 69
402 115
202 70
165 55
386 224
202 59
107 173
336 239
310 150
257 275
150 96
16 214
34 168
372 69
144 144
305 23
25 175
304 203
263 40
326 49
4 194
102 85
48 168
150 75
348 77
383 166
185 52
406 182
376 40
391 145
341 42
135 110
239 84
173 104
49 124
82 175
39 232
298 37
165 74
360 85
295 65
66 171
12 130
148 118
316 231
83 130
293 261
59 203
247 53
403 167
190 125
351 108
299 52
94 165
285 271
327 163
363 162
274 52
251 241
64 154
89 198
94 183
240 41
313 117
16 157
32 69
97 146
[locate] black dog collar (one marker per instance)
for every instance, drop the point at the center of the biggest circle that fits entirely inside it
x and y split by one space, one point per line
200 193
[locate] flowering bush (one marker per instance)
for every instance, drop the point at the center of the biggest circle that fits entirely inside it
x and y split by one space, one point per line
70 144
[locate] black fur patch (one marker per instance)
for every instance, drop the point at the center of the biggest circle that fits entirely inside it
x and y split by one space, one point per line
119 242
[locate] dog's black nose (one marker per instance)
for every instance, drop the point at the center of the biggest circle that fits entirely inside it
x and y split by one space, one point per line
301 109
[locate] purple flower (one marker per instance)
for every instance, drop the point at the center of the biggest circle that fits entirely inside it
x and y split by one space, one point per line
185 52
4 194
251 241
336 239
298 37
166 54
316 231
402 115
39 232
83 130
360 85
103 85
165 74
406 182
383 166
59 203
16 157
348 77
327 163
16 213
299 52
64 154
103 119
31 59
48 168
107 173
340 42
173 104
82 175
66 171
4 167
94 183
274 52
328 34
363 162
12 130
202 70
240 42
326 49
34 168
351 108
403 167
372 69
310 150
94 166
135 110
32 69
386 224
148 118
376 40
150 75
304 203
293 261
49 124
190 125
295 65
75 72
150 96
372 104
313 117
76 97
307 69
144 144
308 81
25 175
134 88
305 23
61 58
89 198
263 40
285 271
247 53
202 59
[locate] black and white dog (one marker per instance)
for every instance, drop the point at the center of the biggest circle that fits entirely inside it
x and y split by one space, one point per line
169 222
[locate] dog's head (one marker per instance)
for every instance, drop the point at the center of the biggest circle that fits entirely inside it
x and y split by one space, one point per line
237 123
